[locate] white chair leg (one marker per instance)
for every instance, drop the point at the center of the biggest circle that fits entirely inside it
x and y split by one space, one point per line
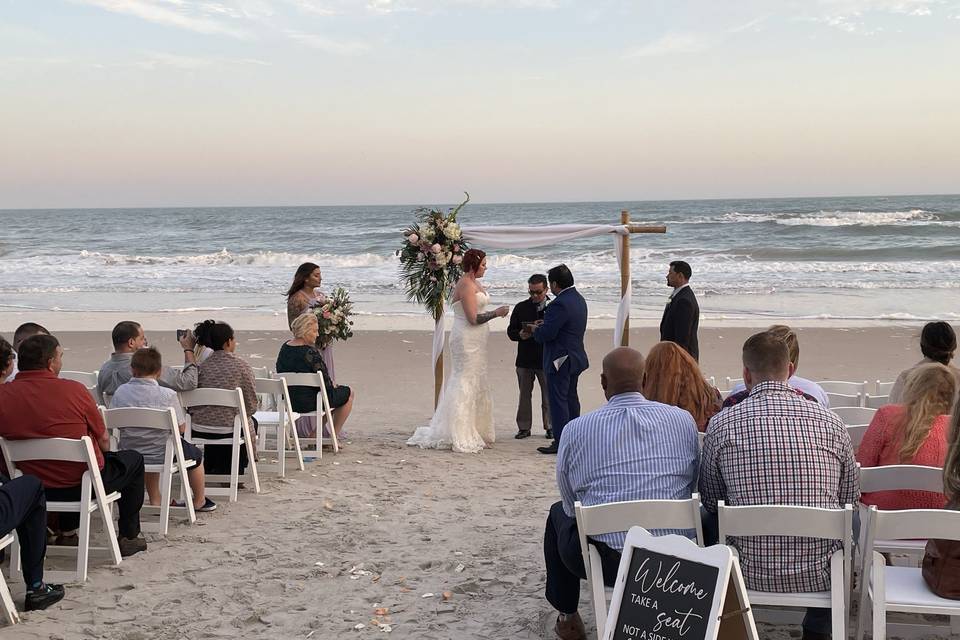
16 571
83 541
166 488
282 447
251 458
879 609
9 610
291 424
838 609
234 468
955 625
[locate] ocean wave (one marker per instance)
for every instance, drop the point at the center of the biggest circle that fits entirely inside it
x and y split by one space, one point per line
821 218
254 259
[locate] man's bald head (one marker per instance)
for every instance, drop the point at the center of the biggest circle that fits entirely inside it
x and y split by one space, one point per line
622 372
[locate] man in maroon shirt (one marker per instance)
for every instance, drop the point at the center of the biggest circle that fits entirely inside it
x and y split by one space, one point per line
38 404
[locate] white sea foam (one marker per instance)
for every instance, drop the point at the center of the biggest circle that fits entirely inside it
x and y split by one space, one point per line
822 218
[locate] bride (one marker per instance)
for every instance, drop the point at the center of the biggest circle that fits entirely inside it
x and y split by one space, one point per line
463 420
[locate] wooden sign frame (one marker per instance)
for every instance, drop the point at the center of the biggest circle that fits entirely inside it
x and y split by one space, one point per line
730 615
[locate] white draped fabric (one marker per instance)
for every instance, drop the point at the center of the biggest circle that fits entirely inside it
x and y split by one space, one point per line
515 237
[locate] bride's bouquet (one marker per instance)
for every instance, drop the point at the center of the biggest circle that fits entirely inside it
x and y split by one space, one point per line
333 315
430 257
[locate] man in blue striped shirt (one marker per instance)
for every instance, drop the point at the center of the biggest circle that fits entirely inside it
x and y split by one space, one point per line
629 449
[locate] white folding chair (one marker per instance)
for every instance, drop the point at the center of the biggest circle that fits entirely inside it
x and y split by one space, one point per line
902 589
732 382
809 522
883 388
266 400
898 477
9 611
856 433
323 415
87 379
838 400
93 497
282 421
233 399
620 516
173 458
854 416
875 402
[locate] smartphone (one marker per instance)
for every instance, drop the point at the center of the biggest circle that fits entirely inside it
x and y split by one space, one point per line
180 334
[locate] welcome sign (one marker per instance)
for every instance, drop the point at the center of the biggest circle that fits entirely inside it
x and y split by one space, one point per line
668 588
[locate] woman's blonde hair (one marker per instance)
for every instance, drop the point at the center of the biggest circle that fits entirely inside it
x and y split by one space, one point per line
673 377
301 323
951 466
929 392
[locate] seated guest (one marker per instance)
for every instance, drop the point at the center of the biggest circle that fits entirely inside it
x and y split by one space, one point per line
38 404
24 331
222 370
144 391
628 449
777 448
914 432
673 377
938 342
300 355
127 337
807 388
8 360
23 508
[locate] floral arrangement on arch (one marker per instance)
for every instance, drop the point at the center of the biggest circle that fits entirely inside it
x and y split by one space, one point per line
430 257
333 315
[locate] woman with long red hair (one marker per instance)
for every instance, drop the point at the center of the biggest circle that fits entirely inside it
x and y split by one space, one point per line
673 377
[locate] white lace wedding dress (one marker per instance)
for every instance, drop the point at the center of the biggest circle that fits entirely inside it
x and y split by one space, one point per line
463 420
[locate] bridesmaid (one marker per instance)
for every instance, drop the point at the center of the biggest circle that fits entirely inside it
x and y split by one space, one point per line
302 292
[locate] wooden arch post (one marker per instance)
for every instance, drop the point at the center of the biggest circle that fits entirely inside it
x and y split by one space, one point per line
625 274
438 365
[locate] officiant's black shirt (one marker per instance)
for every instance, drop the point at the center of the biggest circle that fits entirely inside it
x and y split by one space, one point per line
529 352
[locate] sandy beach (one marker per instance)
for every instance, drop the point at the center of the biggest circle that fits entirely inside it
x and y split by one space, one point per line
423 544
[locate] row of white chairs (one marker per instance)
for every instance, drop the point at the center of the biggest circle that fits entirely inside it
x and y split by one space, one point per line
898 589
840 393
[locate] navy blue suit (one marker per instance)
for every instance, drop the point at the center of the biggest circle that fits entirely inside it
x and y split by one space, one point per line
561 334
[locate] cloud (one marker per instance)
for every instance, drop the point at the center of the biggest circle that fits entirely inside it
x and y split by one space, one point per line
176 13
160 59
753 25
329 45
670 44
854 16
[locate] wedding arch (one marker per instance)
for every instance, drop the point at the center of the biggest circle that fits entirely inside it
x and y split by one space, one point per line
522 237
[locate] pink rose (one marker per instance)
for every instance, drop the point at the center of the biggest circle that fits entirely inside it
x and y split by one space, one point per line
457 259
413 238
327 315
456 248
435 248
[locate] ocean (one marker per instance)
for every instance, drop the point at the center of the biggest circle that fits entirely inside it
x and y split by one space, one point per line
875 259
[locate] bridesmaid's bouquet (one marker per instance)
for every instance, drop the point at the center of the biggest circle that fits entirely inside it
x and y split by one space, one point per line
430 256
333 315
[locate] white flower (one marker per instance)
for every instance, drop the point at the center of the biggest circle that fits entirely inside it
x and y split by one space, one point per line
452 231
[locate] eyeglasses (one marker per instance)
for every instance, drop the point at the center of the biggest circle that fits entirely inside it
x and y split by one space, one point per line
535 293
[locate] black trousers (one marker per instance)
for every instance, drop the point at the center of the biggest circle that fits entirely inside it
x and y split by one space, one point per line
122 471
564 561
216 458
564 400
24 508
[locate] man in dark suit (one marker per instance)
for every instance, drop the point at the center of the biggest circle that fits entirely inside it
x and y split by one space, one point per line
564 357
681 317
530 355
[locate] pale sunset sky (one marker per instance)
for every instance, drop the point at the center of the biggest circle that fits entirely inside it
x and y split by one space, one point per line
110 103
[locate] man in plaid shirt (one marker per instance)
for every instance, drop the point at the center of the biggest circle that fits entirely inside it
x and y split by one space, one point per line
775 447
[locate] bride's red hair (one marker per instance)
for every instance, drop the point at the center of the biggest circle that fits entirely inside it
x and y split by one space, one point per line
472 259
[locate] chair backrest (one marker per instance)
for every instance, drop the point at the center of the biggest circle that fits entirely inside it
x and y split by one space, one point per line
143 418
837 400
883 388
86 378
842 386
875 402
785 520
856 432
896 477
732 382
59 450
271 386
210 397
262 372
854 416
912 524
302 379
649 514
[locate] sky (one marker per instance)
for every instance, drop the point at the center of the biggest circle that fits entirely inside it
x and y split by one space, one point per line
123 103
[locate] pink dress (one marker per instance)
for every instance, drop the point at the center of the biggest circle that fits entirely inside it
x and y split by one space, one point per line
881 447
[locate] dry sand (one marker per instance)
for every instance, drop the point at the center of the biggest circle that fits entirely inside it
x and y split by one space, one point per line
390 524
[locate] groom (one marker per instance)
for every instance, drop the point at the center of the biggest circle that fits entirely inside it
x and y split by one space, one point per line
564 358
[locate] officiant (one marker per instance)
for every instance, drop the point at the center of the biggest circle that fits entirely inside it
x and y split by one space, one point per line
530 355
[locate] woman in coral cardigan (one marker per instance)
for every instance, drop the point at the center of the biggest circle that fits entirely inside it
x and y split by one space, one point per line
914 432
